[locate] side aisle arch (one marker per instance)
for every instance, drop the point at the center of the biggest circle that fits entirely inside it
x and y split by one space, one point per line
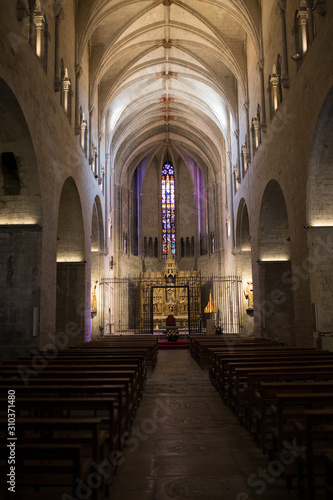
320 218
20 231
97 270
275 270
71 265
244 264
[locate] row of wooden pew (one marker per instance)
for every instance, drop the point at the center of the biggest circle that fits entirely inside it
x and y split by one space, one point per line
73 414
284 398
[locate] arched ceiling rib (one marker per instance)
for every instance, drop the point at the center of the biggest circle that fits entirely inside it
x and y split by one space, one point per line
167 72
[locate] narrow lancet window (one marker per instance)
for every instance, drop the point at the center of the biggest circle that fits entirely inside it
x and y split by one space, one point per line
168 210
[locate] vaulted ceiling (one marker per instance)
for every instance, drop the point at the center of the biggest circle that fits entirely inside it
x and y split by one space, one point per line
168 74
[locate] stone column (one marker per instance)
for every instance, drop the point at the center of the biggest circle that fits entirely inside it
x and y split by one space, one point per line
236 133
309 4
281 11
57 80
260 67
231 199
303 20
91 112
66 87
83 129
255 123
248 145
78 74
274 82
39 21
244 157
32 8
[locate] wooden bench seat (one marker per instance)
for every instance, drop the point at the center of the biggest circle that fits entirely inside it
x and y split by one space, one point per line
49 466
315 435
266 396
86 431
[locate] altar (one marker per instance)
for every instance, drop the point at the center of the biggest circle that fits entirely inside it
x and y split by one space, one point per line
170 292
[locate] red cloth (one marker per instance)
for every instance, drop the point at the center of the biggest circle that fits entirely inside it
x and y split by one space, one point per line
170 321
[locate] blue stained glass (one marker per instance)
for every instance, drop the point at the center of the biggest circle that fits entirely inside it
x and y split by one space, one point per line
168 209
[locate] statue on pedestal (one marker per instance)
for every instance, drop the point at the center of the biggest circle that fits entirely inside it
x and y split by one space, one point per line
249 294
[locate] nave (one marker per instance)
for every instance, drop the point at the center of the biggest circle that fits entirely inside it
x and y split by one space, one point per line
193 447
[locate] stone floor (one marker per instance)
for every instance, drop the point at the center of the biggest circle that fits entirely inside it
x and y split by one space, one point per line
187 444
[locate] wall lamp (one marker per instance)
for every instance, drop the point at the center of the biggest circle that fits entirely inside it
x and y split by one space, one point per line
296 57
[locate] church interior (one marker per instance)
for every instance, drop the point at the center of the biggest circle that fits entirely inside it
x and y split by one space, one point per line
165 159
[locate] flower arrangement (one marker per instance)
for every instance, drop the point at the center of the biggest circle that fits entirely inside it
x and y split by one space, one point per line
172 335
218 329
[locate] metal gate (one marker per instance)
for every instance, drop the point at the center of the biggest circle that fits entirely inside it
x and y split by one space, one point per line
124 312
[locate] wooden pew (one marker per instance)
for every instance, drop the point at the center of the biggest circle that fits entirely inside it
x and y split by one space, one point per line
48 466
315 434
73 376
106 408
48 390
86 431
266 396
257 375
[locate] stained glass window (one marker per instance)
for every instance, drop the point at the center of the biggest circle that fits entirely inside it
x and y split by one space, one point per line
168 210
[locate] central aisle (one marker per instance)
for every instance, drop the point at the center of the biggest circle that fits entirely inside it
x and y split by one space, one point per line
187 444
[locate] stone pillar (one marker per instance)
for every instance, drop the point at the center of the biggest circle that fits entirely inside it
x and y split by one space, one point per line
231 199
236 133
260 67
66 88
39 21
244 157
248 145
57 80
274 82
91 112
78 74
236 177
32 8
303 20
83 129
255 123
309 4
281 11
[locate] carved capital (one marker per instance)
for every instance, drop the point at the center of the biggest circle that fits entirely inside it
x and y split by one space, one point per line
260 65
78 71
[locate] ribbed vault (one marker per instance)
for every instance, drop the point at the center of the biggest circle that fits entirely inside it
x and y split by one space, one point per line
169 75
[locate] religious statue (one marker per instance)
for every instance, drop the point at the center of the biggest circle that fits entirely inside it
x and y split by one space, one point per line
249 294
94 298
183 306
170 296
157 305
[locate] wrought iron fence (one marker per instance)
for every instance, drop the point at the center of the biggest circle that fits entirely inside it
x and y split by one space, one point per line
124 312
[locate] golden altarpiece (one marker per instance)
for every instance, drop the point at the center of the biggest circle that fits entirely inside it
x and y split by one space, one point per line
170 292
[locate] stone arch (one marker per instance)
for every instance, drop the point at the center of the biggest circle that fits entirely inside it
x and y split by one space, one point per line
71 272
319 266
20 230
276 294
244 262
19 178
97 270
